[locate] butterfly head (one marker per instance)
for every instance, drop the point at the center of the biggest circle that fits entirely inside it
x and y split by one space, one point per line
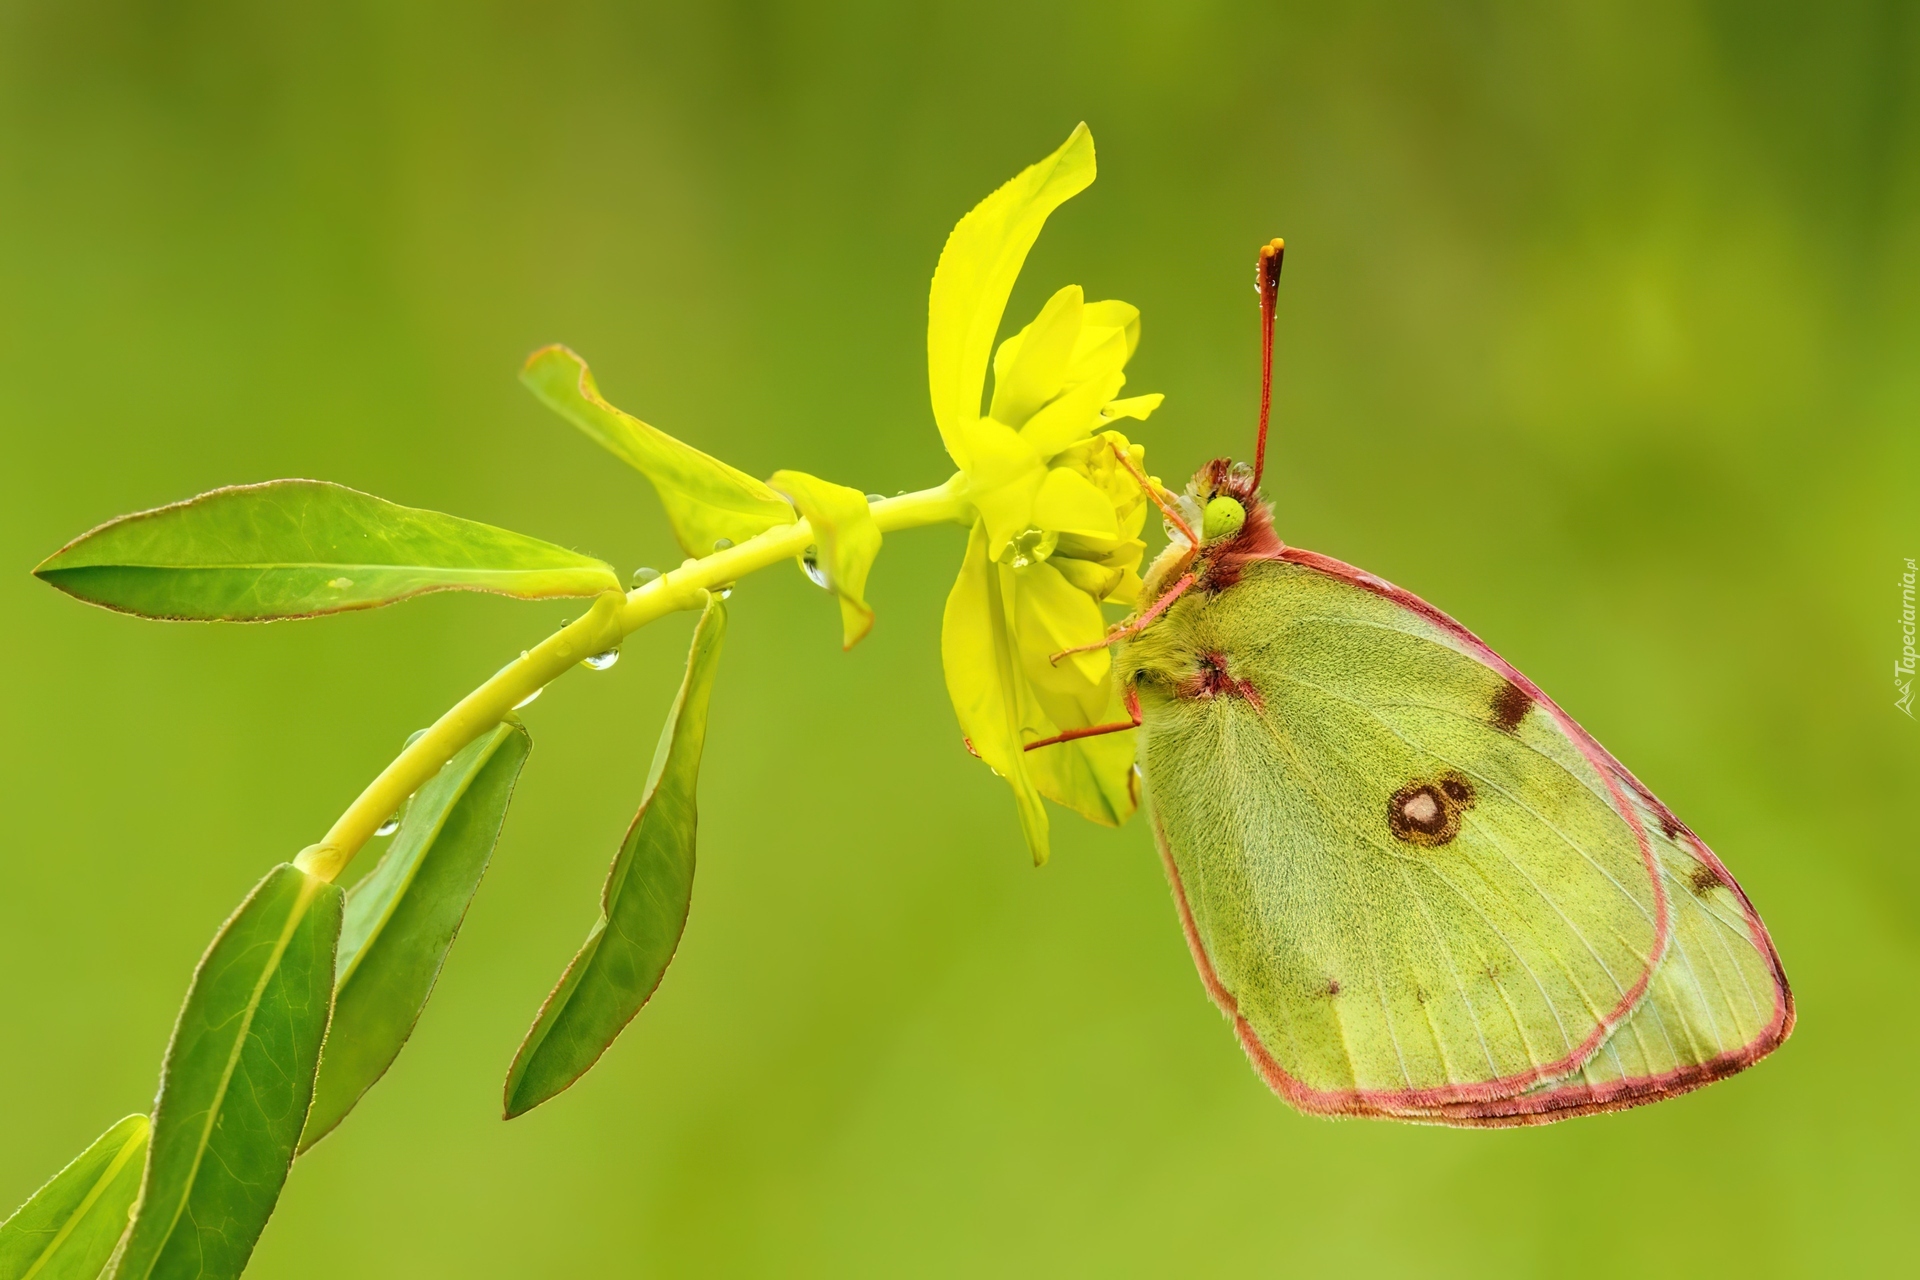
1223 493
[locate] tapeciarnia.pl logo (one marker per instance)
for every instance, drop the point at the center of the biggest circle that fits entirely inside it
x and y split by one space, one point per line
1903 666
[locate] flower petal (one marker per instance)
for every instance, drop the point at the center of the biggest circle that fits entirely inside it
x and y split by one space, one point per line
1069 503
1094 777
1051 614
1097 580
1108 336
977 269
1071 418
984 681
1001 483
706 499
1031 366
1133 407
849 541
1109 313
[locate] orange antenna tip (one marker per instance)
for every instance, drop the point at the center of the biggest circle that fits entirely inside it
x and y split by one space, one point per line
1272 254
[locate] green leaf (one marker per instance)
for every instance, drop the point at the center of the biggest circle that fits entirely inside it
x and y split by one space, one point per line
68 1229
706 500
238 1078
643 908
402 918
849 541
297 548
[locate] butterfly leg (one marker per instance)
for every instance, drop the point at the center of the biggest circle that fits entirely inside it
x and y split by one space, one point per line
1154 496
1094 731
1126 629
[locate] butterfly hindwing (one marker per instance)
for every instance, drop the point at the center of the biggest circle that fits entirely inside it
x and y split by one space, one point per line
1719 1000
1417 886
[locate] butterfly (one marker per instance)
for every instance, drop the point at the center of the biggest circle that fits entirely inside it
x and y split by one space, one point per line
1415 886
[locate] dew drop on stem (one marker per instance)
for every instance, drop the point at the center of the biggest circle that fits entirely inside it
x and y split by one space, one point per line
601 661
530 697
721 544
643 575
388 827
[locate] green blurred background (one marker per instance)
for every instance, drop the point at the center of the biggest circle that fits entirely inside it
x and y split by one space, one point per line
1598 330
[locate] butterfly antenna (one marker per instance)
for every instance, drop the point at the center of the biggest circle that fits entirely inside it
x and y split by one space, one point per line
1271 255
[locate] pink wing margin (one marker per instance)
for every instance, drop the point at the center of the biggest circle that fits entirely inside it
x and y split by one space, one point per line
1514 1101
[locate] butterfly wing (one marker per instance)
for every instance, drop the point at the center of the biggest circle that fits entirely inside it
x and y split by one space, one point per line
1719 1000
1417 887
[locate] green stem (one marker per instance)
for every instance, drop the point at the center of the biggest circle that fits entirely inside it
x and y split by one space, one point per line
612 618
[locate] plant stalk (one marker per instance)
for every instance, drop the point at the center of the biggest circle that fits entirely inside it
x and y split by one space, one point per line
612 618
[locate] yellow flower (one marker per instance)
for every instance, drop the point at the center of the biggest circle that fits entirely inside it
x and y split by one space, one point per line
1057 517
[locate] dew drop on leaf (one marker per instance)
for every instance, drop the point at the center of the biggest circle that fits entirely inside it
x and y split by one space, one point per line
601 661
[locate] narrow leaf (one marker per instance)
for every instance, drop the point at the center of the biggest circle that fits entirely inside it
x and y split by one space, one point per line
238 1078
297 548
402 918
849 541
706 500
643 908
68 1229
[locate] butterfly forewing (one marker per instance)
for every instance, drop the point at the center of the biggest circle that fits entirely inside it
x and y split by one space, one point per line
1408 877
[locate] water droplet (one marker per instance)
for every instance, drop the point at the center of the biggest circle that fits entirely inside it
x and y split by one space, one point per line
724 592
1030 546
721 544
811 563
643 575
415 736
876 497
601 661
530 697
340 584
388 827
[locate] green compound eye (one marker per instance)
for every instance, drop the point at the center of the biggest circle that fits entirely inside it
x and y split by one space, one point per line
1223 519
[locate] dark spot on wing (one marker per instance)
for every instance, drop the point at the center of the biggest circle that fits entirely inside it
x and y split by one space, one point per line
1668 827
1333 986
1702 880
1427 813
1509 707
1419 993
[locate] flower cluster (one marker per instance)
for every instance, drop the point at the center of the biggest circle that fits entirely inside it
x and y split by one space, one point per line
1057 514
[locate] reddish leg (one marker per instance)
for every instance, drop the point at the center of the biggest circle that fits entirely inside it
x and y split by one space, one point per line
1094 731
1153 495
1126 629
